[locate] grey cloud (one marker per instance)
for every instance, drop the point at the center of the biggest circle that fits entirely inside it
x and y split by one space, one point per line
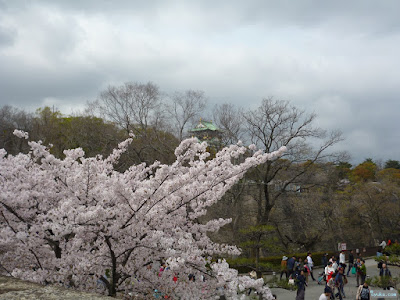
339 59
7 36
360 15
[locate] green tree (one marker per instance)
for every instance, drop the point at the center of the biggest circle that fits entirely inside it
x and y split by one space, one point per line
344 169
12 118
92 134
392 164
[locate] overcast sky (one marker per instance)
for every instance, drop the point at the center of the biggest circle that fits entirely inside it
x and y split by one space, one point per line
339 59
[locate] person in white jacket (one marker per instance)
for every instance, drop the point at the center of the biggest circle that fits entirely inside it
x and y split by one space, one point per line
342 260
310 265
329 271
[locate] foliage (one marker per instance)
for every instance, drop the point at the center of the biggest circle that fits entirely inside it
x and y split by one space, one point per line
68 220
271 263
274 282
364 172
383 282
393 249
255 237
11 118
389 175
369 280
344 169
392 164
245 265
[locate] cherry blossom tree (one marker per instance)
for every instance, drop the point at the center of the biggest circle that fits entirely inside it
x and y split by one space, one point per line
78 222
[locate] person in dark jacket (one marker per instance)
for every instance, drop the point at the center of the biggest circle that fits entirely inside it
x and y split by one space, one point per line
339 283
290 266
363 292
324 260
385 276
351 262
301 286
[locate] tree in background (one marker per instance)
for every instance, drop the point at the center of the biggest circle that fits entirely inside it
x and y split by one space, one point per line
392 164
138 108
230 120
274 124
344 169
10 119
365 171
183 110
92 134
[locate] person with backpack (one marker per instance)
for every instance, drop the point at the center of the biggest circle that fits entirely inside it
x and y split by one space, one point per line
363 292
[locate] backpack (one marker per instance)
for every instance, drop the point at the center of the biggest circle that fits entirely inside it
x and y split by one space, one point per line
364 293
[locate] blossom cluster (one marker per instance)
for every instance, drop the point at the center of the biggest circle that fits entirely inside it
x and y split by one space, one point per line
78 222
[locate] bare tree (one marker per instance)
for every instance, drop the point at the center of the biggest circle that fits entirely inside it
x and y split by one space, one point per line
133 106
183 110
137 108
230 120
274 124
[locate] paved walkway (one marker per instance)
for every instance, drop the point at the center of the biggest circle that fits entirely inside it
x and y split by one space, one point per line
313 291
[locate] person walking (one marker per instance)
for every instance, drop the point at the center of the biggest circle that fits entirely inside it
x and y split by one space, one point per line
342 260
363 271
310 265
363 292
385 277
339 283
290 266
284 267
306 269
324 260
351 262
298 266
334 264
329 271
358 274
331 284
301 286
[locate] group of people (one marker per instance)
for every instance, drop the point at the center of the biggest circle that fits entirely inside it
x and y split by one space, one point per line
293 266
336 277
298 270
